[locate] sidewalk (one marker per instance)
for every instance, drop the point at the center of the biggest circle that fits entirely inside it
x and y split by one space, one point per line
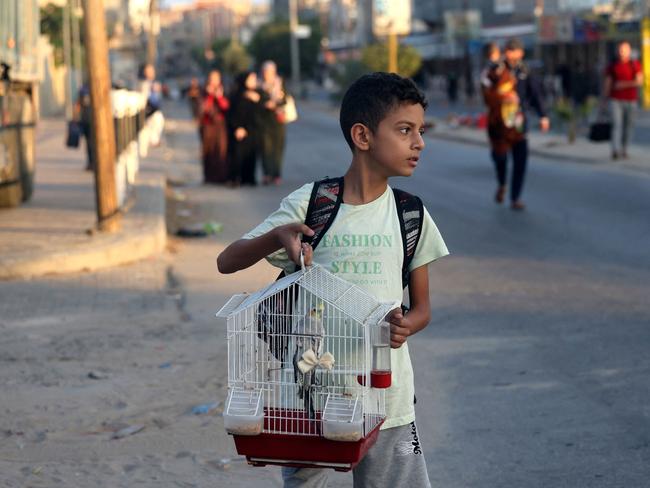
553 145
550 145
52 232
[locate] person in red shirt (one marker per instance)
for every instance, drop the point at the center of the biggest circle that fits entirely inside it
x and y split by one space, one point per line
622 81
214 136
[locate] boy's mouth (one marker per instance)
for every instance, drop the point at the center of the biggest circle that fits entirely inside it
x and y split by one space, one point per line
413 160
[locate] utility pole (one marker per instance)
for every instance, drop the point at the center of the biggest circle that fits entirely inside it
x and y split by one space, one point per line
538 13
393 46
152 35
295 53
645 55
76 45
67 60
99 77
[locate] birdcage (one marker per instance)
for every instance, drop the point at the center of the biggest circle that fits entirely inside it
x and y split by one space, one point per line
308 364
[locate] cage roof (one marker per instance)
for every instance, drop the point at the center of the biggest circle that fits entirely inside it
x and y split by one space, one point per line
347 298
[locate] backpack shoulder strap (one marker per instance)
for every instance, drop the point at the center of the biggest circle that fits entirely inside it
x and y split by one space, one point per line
410 212
324 203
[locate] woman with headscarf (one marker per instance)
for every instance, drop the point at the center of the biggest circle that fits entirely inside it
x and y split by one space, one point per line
214 136
271 123
243 121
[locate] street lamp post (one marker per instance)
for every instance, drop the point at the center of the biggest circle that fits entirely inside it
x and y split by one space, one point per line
538 13
295 53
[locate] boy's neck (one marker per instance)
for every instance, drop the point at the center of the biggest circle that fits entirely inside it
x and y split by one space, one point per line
361 184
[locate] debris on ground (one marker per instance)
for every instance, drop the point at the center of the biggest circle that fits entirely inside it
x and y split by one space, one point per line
97 375
127 431
205 408
222 464
198 230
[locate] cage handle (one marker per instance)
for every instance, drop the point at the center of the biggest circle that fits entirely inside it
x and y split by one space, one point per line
302 260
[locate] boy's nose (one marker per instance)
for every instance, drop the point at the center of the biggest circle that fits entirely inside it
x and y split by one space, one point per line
419 142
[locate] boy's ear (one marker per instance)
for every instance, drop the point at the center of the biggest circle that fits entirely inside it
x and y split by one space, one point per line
360 136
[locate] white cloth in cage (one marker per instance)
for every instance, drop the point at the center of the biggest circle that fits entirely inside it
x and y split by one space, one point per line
309 361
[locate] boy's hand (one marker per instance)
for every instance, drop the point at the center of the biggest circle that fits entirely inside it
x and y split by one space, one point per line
400 327
289 237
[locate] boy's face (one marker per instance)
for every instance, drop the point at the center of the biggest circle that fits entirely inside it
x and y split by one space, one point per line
396 144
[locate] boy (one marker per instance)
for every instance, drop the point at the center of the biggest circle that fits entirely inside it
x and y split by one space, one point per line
382 118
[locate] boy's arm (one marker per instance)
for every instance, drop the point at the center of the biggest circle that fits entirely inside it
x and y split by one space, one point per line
403 326
245 252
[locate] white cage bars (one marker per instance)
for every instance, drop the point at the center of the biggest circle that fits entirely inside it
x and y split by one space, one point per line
302 346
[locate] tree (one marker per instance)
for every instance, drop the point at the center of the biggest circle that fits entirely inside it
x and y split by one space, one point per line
52 27
344 74
234 59
229 57
375 57
271 41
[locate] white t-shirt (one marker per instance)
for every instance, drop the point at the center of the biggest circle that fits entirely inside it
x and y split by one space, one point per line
364 246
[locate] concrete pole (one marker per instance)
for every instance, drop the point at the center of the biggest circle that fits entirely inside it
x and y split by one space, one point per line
152 34
99 77
67 60
392 52
295 53
76 45
645 58
538 14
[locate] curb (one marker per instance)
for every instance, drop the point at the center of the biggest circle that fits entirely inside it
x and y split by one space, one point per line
143 234
532 149
550 154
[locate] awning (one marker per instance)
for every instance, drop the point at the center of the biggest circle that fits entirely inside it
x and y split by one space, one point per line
505 31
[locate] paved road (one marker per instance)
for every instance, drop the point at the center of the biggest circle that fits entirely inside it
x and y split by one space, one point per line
534 369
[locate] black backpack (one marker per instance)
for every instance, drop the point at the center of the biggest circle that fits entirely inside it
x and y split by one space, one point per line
273 323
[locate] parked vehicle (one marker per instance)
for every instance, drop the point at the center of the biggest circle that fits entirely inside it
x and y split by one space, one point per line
19 76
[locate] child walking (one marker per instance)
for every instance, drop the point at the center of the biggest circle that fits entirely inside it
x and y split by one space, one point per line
382 119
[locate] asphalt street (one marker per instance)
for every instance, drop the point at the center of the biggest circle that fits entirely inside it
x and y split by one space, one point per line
533 371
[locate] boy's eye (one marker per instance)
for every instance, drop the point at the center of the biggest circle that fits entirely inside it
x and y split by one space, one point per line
405 130
421 131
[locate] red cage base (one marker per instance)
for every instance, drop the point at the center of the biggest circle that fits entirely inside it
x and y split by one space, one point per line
303 451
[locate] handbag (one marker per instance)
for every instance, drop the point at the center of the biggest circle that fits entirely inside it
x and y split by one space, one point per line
600 131
74 134
289 111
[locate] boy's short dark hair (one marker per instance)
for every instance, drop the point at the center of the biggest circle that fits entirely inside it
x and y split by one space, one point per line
514 44
371 97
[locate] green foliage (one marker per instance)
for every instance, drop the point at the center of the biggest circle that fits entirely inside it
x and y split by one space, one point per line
52 27
375 57
272 41
228 57
571 116
218 46
233 59
564 110
344 74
